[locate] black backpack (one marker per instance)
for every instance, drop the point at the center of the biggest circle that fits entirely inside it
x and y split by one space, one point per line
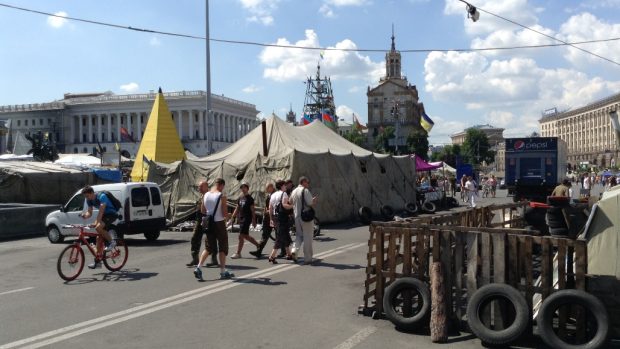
117 204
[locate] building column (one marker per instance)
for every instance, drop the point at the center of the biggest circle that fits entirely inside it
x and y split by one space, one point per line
180 123
80 130
109 127
130 126
89 119
118 128
190 125
229 128
139 122
98 128
201 124
220 127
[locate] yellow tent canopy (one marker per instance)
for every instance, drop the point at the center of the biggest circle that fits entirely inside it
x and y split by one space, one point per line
160 142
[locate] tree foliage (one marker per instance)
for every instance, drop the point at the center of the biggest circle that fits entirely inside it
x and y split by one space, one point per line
448 154
355 137
381 141
417 142
476 148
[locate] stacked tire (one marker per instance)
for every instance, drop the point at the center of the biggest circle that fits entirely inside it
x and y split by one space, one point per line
395 296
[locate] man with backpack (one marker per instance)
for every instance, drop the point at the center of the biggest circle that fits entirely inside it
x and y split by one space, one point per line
303 205
108 207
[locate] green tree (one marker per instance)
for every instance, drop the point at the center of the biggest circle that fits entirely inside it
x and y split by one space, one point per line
355 137
381 141
448 154
476 148
417 142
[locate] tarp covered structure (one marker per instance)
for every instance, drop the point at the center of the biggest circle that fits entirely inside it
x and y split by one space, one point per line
603 235
32 182
343 175
421 165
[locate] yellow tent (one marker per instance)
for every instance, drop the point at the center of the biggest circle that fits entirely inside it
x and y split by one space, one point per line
160 142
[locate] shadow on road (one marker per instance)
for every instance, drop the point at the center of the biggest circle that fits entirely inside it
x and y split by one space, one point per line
324 264
122 275
141 242
322 238
240 267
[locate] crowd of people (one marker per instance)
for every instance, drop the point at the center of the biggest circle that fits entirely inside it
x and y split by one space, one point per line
285 207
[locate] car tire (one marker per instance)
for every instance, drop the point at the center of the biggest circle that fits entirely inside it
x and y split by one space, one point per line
387 212
565 297
452 202
54 235
152 235
488 293
418 319
429 207
365 215
411 208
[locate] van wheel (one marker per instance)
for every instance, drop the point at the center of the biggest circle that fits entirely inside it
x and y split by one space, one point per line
54 235
152 235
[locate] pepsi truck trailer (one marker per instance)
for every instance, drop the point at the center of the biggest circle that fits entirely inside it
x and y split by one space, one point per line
534 166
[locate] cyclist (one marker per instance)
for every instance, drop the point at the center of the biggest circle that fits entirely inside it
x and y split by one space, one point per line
106 216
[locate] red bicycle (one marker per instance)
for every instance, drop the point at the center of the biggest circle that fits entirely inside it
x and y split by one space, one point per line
71 259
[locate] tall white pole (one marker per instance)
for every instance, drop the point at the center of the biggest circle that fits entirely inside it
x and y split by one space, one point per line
208 52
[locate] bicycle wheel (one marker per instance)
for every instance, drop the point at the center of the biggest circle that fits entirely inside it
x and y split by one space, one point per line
70 262
116 259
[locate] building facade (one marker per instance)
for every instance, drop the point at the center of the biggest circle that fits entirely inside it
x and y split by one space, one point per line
394 102
587 131
79 121
494 134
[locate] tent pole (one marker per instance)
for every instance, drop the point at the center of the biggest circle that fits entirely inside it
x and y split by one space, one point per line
264 127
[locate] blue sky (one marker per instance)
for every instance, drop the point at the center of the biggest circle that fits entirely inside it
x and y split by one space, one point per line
41 58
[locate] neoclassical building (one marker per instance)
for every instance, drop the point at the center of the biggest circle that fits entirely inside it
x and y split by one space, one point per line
587 131
494 134
394 102
79 121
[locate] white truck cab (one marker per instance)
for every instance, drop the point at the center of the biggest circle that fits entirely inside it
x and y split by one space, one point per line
142 211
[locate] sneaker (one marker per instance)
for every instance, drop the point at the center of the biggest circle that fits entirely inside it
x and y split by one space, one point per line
192 264
198 274
255 254
110 246
235 256
226 275
95 265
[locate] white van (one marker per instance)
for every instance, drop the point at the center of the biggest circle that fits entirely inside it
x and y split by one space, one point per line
142 211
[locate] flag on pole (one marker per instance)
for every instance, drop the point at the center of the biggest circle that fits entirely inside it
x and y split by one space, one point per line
306 120
328 120
357 124
426 123
125 136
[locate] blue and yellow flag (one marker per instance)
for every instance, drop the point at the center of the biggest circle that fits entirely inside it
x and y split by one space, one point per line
426 123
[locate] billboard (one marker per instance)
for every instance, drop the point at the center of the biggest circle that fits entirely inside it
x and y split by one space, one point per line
542 144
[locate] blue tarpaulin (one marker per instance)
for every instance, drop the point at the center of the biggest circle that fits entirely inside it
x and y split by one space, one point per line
114 176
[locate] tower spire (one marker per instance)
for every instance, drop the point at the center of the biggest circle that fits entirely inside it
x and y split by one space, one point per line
393 43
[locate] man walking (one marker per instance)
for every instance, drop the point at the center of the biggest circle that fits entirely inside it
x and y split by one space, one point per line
245 214
302 200
470 188
266 227
216 210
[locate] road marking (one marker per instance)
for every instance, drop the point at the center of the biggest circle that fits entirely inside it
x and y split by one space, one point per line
357 338
15 291
131 313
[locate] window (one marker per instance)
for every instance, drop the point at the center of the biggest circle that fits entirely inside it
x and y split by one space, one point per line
49 121
363 166
76 204
140 197
85 150
19 122
75 150
155 195
25 122
41 122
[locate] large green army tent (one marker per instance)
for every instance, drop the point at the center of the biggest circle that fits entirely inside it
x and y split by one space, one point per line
343 175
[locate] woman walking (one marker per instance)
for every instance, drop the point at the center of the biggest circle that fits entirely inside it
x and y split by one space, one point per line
245 214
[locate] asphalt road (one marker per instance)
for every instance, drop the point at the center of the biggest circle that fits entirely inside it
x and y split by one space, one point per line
156 302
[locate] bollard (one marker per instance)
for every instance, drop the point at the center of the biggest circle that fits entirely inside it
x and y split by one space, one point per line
439 320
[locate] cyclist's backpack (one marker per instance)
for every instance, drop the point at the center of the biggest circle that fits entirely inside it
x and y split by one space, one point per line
117 204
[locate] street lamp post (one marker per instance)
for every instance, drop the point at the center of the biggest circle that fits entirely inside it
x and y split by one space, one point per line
208 99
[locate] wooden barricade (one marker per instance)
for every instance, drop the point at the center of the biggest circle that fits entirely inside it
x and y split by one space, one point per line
472 256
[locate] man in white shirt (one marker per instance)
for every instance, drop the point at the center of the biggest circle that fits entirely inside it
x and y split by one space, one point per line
470 187
302 200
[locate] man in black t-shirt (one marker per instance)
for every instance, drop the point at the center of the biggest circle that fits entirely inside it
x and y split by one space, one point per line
245 215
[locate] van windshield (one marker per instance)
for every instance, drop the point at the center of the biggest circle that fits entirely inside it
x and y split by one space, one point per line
75 204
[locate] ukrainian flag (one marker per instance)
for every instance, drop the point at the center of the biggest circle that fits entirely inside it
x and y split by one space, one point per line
426 123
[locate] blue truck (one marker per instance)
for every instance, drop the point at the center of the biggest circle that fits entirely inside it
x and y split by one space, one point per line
534 166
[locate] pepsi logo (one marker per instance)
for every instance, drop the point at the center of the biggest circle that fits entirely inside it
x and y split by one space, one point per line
519 145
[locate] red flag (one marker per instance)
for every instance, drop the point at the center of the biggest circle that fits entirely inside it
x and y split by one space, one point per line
125 136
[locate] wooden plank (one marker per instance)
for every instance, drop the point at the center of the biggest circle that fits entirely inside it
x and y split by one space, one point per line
420 253
407 258
485 277
546 271
472 263
391 255
580 284
426 254
380 278
529 275
513 261
436 245
439 308
447 263
499 276
460 304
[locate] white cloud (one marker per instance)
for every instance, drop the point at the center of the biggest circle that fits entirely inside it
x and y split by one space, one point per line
327 11
507 38
57 22
154 41
285 64
130 87
586 26
443 129
345 113
500 118
251 89
261 11
340 3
